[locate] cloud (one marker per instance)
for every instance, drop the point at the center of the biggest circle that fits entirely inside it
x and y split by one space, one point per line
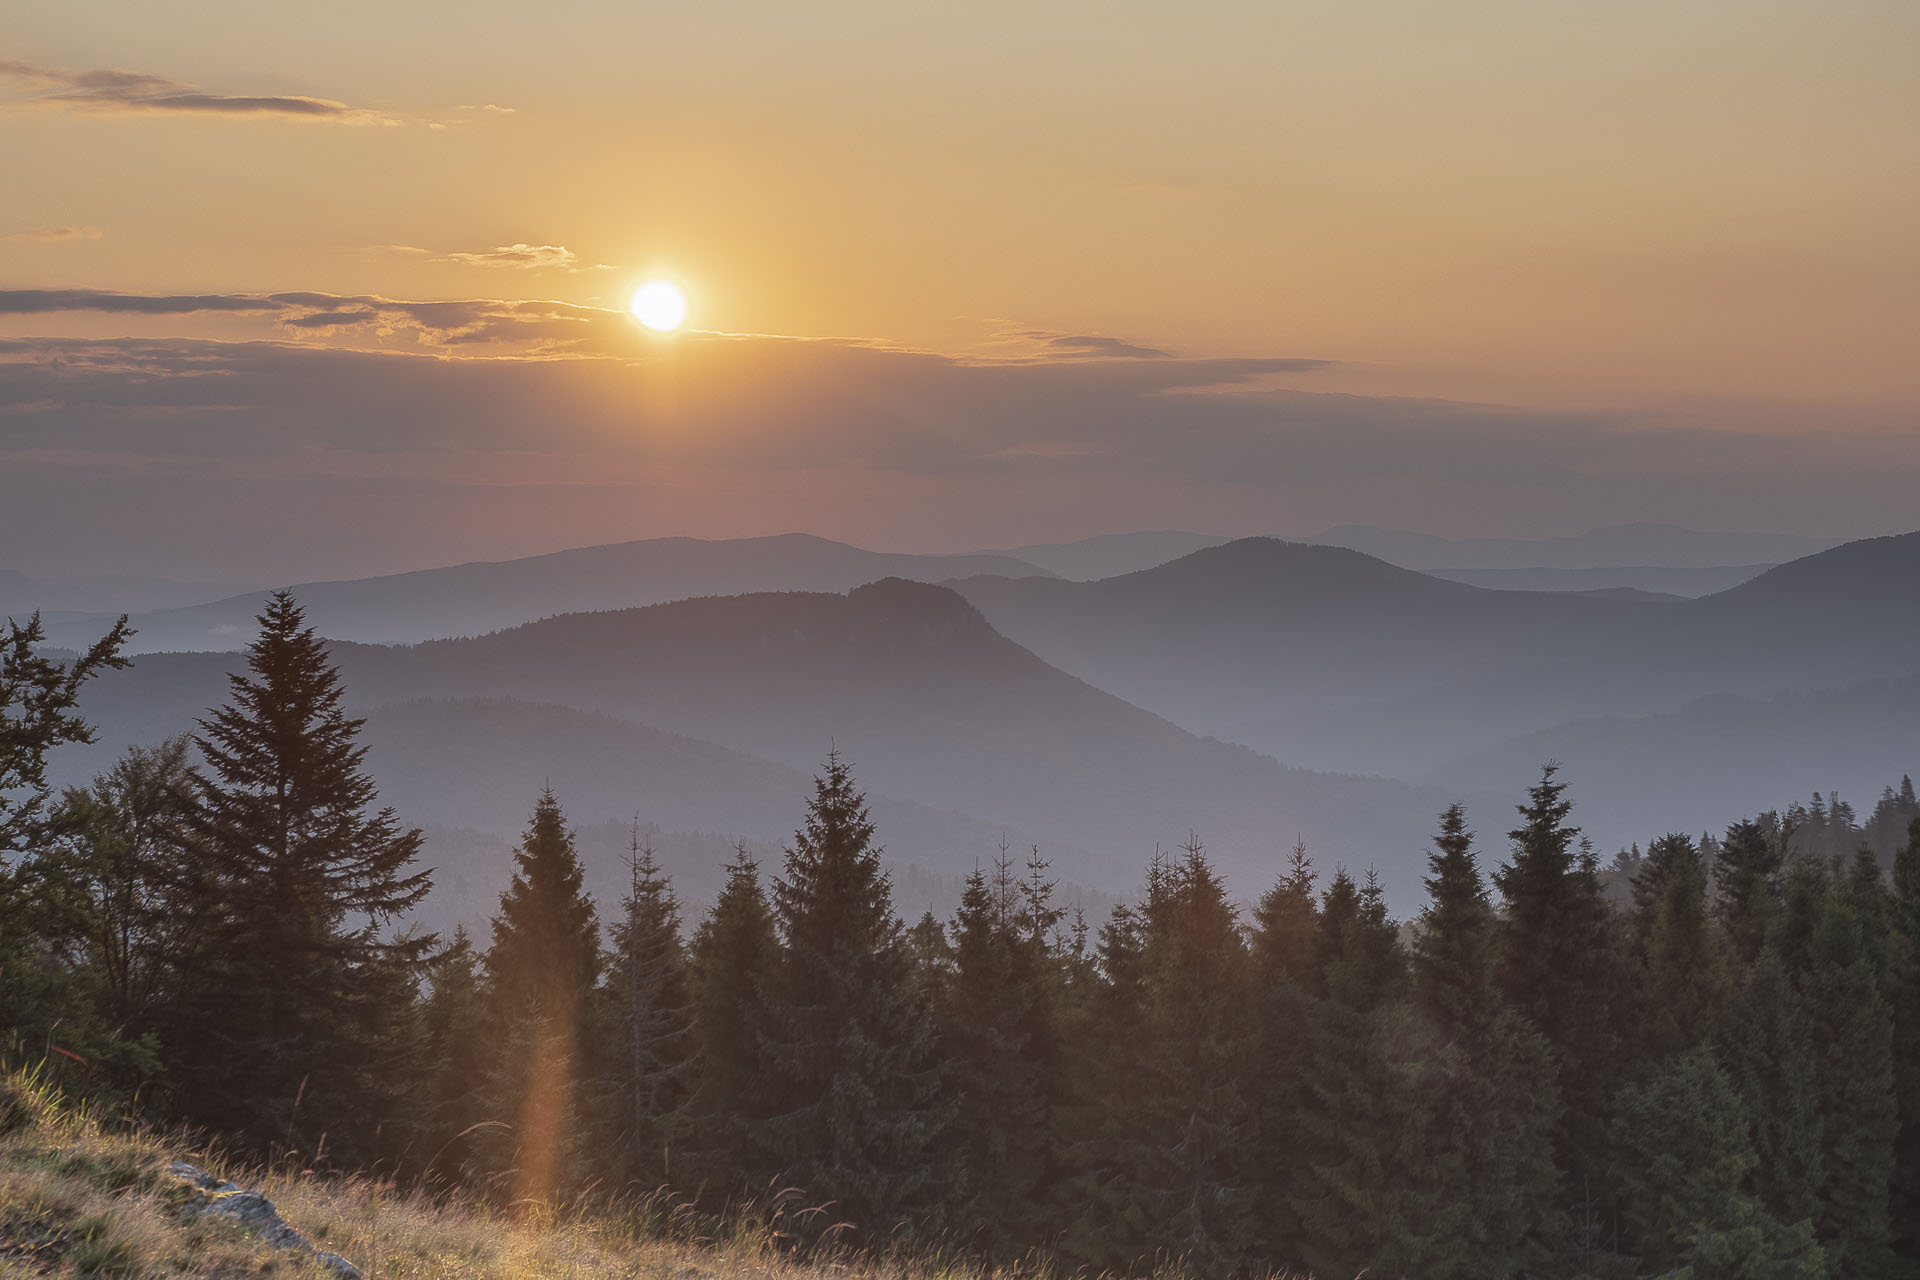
526 257
492 107
552 327
1092 346
519 425
518 256
17 302
54 235
133 91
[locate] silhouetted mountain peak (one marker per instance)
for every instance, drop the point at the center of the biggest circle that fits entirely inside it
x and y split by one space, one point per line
1850 575
1257 563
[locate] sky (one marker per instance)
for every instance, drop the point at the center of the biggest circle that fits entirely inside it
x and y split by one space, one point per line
308 291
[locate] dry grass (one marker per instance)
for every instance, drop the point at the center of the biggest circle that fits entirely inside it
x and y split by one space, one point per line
82 1198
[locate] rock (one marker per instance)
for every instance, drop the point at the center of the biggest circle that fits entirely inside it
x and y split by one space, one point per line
255 1213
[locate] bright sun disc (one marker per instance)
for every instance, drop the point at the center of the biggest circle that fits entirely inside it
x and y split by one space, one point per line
659 305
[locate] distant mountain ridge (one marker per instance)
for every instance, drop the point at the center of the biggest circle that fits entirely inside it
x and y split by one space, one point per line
936 709
1329 658
1643 545
483 596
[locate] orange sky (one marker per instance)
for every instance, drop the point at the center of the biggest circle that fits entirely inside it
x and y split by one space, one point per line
1672 215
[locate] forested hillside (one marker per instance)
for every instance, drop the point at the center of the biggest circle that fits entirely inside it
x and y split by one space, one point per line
1697 1060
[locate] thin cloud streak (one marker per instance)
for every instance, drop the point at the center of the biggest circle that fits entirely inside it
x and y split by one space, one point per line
467 445
117 91
56 235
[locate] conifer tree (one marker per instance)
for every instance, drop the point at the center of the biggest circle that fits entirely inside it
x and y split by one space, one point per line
1744 878
652 1051
851 1041
1198 1051
1765 1042
1561 969
1851 1028
1487 1205
1284 922
1685 969
1355 1196
1456 952
1003 1043
1903 989
1285 928
733 955
541 970
38 697
295 1019
115 871
456 1044
1682 1154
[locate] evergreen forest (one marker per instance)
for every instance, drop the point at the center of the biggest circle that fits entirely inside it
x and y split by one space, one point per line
1698 1058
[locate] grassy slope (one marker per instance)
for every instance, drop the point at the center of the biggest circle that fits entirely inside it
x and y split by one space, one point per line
83 1198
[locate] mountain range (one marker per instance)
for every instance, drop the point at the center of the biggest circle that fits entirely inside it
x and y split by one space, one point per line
1248 693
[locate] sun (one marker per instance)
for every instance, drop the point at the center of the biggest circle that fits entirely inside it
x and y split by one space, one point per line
660 305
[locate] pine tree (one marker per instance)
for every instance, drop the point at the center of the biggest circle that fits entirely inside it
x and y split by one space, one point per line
1457 950
1105 1227
653 1053
1285 921
296 1018
1355 1196
1286 927
541 969
456 1043
1681 1155
733 955
38 696
1766 1044
1561 969
1003 1043
1851 1029
1199 1049
1744 877
1686 975
112 917
1903 989
1487 1206
851 1041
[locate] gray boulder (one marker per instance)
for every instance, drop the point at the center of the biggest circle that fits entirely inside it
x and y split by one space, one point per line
255 1213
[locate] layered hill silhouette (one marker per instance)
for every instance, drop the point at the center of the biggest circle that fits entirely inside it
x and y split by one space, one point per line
472 599
1333 659
939 713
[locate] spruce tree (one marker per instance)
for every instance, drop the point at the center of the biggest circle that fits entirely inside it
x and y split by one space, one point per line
1561 970
1457 949
456 1043
857 1119
541 969
38 697
1681 1157
1685 971
1851 1028
1286 925
295 1021
1744 878
1488 1203
1355 1196
1766 1045
733 955
1199 1185
1903 990
1003 1043
652 1054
